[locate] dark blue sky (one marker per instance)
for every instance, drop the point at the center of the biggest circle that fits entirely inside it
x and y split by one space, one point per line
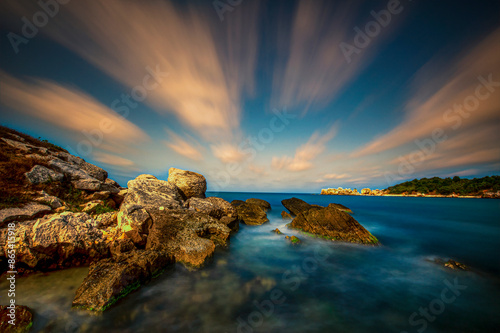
265 99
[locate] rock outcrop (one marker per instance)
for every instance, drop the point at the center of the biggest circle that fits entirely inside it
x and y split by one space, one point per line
266 206
297 206
217 208
348 191
21 316
190 184
340 207
333 224
111 279
250 213
286 216
58 241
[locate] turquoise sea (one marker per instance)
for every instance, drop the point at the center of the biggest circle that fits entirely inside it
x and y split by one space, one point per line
263 283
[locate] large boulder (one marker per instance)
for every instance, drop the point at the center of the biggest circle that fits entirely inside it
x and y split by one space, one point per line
340 207
145 194
297 206
191 237
266 206
29 211
57 241
40 175
111 279
251 214
334 224
217 208
17 320
190 184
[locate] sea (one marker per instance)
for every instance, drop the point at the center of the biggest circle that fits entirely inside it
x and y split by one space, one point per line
263 283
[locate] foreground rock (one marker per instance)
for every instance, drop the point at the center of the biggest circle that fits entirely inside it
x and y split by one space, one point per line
22 320
217 208
286 216
114 278
251 214
266 206
59 241
190 237
29 211
190 184
340 207
333 224
297 206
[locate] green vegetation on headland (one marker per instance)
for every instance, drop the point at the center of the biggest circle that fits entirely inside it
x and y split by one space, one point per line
447 186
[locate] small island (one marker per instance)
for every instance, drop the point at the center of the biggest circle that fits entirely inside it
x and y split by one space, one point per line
435 187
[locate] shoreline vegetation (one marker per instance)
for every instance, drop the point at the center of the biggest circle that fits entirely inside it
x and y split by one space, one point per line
435 187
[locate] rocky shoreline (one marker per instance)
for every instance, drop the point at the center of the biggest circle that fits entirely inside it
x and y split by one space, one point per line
380 193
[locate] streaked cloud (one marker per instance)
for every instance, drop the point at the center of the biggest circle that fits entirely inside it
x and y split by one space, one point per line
114 160
72 110
228 153
306 153
450 84
183 147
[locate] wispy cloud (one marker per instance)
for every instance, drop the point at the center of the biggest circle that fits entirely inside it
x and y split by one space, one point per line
208 70
306 153
183 147
228 153
435 98
72 110
316 70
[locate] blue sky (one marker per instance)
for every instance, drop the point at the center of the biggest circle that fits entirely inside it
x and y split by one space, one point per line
259 95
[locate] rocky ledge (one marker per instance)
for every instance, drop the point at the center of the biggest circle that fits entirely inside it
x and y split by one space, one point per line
327 222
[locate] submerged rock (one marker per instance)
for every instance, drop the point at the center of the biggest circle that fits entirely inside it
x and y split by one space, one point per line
451 264
111 279
266 206
251 214
190 184
293 239
334 224
22 319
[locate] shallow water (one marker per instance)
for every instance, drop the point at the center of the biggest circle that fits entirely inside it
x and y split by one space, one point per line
262 283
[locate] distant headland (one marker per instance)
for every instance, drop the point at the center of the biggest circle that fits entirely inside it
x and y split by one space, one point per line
435 187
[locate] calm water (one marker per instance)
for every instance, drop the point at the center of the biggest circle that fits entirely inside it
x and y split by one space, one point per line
262 283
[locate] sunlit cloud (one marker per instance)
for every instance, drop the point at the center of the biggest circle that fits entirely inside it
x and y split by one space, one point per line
306 153
70 109
439 100
114 160
228 153
316 70
183 147
336 176
207 71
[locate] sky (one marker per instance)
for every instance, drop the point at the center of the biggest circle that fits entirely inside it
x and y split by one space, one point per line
259 96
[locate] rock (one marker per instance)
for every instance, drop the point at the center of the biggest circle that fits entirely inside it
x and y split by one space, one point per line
451 264
277 231
40 175
190 184
134 222
29 211
94 171
296 206
91 207
121 246
22 322
111 182
340 207
25 147
119 197
191 237
236 203
251 214
101 195
293 239
88 184
333 224
259 202
57 241
223 207
111 279
203 206
154 193
231 222
366 191
286 216
69 170
53 202
106 220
